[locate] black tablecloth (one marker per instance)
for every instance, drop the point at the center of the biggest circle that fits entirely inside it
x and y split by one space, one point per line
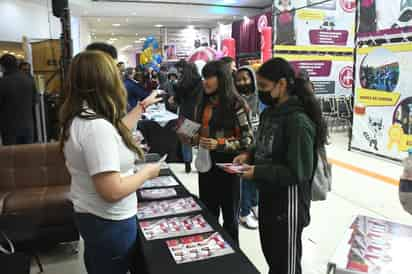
157 258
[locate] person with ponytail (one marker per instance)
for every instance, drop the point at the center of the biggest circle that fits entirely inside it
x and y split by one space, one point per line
282 163
100 154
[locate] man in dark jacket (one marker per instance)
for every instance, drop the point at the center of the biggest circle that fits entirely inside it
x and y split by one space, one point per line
17 100
135 91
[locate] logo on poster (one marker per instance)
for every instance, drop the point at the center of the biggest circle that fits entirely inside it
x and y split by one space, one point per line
262 23
348 5
346 77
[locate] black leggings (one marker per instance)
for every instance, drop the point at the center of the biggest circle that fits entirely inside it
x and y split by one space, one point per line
220 190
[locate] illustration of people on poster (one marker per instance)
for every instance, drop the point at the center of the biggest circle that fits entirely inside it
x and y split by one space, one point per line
377 16
314 22
383 102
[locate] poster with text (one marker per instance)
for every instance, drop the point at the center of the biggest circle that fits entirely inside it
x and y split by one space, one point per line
383 101
319 24
330 75
383 17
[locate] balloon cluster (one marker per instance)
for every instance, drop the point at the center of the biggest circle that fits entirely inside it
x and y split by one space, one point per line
149 58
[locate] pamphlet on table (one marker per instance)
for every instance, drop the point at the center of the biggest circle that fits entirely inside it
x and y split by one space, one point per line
161 181
174 227
166 208
161 193
197 248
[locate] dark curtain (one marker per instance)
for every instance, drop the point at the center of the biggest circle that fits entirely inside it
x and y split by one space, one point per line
247 35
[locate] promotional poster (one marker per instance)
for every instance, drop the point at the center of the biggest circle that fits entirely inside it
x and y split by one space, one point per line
330 24
383 101
330 75
166 208
376 17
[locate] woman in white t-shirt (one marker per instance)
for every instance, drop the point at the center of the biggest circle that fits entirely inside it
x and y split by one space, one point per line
100 155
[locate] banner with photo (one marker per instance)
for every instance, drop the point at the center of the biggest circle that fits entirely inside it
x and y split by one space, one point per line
383 101
384 17
330 75
314 23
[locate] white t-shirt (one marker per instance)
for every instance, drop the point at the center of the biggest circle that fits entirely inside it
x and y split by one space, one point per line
95 146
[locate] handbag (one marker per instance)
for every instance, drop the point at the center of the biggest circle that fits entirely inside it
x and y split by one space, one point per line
322 179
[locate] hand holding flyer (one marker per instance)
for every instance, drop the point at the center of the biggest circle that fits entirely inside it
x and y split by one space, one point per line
187 127
231 168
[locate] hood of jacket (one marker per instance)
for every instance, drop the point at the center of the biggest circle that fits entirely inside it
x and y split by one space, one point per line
251 98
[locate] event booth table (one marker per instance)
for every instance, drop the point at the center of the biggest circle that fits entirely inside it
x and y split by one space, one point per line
157 258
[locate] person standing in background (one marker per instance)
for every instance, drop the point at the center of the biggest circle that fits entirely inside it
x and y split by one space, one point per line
135 91
247 88
225 132
18 97
122 68
26 68
188 88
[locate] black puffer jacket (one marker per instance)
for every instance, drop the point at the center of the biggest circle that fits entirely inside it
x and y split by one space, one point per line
186 98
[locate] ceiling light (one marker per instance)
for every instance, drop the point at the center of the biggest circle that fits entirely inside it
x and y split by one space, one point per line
190 27
158 26
110 41
116 25
137 41
127 19
113 39
5 51
137 34
98 19
12 53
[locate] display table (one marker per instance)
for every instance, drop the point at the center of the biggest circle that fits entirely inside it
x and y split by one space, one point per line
373 246
157 258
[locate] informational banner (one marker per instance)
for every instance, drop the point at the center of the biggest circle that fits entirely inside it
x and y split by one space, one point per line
307 23
330 75
383 101
383 17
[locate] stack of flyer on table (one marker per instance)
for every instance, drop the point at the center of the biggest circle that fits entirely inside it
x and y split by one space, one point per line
373 246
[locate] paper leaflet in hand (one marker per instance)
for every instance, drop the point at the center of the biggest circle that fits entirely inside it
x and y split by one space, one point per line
174 227
187 127
166 208
231 168
158 193
197 248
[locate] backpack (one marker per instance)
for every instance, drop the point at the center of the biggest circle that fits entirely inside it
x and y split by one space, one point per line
322 178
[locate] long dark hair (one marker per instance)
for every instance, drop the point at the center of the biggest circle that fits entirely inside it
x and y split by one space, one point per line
278 68
190 77
229 98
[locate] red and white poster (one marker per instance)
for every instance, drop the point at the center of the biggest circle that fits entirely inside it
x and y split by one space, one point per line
328 24
161 181
197 248
174 227
158 193
166 208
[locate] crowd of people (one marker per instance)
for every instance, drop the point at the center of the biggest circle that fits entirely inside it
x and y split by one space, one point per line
267 121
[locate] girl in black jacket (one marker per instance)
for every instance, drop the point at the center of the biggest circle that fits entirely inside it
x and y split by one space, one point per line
283 163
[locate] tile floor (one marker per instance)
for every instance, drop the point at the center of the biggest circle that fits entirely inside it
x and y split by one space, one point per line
352 194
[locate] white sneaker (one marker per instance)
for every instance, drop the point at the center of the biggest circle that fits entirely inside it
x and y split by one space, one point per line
249 222
255 211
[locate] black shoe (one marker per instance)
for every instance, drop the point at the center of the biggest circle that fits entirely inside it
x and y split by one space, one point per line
188 167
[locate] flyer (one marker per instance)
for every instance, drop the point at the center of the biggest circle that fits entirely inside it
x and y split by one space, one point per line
187 127
374 246
231 168
197 248
158 193
161 181
166 208
174 227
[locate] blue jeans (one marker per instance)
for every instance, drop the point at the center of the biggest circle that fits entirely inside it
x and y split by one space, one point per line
109 246
187 153
249 197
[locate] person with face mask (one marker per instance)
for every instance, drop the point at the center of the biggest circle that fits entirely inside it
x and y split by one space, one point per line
282 163
247 88
225 132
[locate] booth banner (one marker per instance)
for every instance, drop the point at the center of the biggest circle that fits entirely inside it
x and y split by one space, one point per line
330 24
330 75
383 17
383 101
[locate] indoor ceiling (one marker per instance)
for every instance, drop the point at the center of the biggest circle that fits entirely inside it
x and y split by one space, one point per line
131 20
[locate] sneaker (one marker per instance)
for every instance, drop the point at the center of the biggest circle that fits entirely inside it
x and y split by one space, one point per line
249 222
255 211
188 167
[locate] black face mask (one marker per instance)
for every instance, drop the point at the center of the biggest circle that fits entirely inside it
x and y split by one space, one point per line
267 99
245 89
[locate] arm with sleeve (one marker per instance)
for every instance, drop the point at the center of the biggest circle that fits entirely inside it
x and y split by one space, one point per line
300 158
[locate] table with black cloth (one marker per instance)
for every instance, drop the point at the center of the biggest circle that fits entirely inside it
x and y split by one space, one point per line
156 258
